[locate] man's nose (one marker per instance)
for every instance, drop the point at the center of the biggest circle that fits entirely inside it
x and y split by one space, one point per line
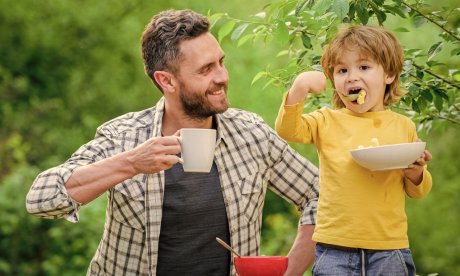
221 75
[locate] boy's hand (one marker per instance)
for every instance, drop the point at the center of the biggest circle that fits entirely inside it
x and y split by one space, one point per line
306 82
415 170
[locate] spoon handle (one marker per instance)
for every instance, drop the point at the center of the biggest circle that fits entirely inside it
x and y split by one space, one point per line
224 244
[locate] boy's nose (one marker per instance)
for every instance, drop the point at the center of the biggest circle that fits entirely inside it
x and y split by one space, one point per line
352 76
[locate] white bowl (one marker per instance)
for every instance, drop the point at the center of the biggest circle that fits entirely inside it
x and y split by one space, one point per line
388 157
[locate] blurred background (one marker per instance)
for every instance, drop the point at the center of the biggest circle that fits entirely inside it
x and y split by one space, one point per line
68 66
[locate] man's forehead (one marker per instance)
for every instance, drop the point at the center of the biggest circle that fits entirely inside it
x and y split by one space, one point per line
202 48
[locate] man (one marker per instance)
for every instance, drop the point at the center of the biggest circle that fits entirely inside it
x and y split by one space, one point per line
160 219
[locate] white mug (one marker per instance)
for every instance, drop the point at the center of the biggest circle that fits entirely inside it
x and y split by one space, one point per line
198 146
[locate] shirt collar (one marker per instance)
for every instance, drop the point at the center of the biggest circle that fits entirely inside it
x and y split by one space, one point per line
158 120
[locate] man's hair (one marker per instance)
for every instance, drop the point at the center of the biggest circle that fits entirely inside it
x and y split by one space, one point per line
162 37
372 42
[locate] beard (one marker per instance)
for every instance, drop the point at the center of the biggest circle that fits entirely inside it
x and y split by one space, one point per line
197 106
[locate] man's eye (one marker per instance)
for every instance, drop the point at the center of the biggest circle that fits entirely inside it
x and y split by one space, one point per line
205 70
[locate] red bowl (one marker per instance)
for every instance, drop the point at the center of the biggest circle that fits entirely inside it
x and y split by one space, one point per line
261 265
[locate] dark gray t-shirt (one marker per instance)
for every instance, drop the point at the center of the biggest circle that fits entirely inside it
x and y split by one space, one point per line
193 216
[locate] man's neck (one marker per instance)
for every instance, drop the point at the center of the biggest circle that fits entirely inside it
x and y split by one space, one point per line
173 121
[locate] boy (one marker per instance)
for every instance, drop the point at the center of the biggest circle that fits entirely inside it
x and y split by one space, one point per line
361 223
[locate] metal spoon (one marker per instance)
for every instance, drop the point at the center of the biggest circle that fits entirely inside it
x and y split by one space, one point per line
352 97
224 244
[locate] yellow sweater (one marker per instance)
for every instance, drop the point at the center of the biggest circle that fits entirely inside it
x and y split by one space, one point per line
357 207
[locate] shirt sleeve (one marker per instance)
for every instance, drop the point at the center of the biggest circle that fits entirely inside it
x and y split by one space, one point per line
294 126
421 190
294 178
48 196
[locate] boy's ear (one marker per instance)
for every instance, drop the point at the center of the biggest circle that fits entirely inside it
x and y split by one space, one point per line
166 80
389 79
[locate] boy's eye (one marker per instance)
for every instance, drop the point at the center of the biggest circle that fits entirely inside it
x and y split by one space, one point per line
342 70
364 67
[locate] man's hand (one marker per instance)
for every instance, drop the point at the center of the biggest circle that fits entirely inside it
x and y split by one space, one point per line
302 253
155 155
306 82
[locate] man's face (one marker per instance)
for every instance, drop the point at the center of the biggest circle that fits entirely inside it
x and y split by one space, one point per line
202 77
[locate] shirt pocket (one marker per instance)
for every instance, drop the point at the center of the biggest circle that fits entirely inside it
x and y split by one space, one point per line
127 202
252 193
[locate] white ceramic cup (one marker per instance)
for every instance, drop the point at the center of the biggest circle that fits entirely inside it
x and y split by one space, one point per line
198 146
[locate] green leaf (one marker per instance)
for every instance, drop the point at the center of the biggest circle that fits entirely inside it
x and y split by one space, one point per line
440 93
268 83
352 11
421 103
455 52
282 53
258 76
401 30
419 74
438 102
381 17
302 5
434 49
244 39
362 12
419 21
238 31
301 56
433 63
225 30
427 95
306 41
322 6
395 10
414 52
281 33
415 106
215 17
340 8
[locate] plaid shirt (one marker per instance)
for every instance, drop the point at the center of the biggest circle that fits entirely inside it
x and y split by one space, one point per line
249 156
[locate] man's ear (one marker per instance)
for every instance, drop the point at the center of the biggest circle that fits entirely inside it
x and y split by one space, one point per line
166 80
389 79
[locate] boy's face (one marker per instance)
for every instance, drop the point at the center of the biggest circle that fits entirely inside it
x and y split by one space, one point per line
355 72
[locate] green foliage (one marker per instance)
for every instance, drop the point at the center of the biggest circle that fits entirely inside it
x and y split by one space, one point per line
53 69
67 67
302 28
435 220
34 246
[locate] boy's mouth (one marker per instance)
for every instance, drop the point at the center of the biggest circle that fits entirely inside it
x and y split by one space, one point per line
357 95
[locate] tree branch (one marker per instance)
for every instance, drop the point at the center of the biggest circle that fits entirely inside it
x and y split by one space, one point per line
431 20
432 116
453 84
